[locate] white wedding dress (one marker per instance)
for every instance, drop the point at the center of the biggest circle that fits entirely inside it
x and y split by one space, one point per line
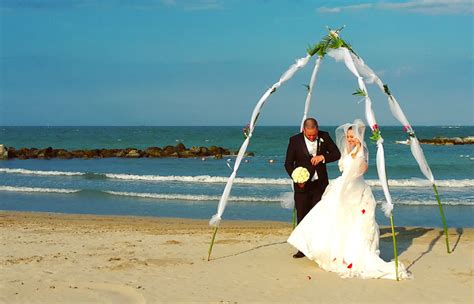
340 233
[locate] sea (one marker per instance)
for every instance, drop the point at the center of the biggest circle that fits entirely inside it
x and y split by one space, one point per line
191 188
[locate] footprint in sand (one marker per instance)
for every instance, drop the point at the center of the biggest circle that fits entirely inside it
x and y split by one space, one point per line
83 292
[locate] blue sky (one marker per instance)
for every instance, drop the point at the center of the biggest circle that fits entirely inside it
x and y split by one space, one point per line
172 62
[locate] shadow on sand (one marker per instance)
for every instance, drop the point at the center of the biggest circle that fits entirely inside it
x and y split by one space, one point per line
248 250
405 238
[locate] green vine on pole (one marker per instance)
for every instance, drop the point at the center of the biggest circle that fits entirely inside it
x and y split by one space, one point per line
294 218
212 244
442 217
394 240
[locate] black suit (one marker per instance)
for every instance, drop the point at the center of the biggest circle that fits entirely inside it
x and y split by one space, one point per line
298 155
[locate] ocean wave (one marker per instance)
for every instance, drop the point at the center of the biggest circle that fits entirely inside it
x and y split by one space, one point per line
39 172
208 179
415 182
194 197
203 197
37 189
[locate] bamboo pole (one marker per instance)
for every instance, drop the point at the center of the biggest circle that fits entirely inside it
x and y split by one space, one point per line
294 218
395 252
212 243
442 217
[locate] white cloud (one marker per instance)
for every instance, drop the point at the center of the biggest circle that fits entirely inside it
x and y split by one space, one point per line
137 4
432 7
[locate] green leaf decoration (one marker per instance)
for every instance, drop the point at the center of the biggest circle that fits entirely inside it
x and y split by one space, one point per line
348 46
311 50
336 42
359 92
331 40
375 135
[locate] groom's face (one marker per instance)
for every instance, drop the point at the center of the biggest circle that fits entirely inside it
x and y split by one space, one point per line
311 133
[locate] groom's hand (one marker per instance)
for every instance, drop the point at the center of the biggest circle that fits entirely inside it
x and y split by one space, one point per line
317 159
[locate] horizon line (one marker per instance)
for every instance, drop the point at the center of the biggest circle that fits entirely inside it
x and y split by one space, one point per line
198 126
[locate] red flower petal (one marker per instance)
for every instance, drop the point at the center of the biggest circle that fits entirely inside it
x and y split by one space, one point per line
350 266
363 211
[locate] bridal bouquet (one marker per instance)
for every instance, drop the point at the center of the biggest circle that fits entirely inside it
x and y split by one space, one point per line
300 175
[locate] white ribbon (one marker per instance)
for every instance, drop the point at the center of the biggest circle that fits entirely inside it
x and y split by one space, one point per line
300 63
344 54
420 159
397 112
310 91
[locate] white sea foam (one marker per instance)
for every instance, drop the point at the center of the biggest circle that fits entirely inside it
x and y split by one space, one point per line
207 179
37 189
39 172
200 197
193 197
276 199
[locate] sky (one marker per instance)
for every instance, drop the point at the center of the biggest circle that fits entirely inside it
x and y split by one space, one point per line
208 62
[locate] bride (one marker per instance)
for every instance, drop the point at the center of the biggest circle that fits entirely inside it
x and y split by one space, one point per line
340 233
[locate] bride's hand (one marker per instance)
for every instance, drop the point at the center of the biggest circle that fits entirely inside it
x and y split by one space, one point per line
357 146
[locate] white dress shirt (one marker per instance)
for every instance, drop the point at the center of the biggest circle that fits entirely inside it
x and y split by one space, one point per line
312 147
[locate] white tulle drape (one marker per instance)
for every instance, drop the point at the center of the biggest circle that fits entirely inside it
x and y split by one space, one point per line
300 63
343 54
287 199
310 91
370 77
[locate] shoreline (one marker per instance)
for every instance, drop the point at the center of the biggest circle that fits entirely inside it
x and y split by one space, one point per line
74 258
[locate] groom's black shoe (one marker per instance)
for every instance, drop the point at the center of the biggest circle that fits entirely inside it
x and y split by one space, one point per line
298 255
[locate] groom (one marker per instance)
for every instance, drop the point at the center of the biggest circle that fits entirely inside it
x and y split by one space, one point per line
311 149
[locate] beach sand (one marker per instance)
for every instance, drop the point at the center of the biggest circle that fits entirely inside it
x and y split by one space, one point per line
54 258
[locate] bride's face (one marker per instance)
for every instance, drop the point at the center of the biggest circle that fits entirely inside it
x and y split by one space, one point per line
351 139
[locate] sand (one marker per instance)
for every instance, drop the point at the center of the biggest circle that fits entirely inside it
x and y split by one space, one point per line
54 258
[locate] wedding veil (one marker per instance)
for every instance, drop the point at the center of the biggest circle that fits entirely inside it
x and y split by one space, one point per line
358 127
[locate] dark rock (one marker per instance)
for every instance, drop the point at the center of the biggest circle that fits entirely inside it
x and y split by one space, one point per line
133 154
187 154
195 150
180 147
32 153
77 153
169 150
12 152
61 153
153 152
204 151
449 141
3 152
